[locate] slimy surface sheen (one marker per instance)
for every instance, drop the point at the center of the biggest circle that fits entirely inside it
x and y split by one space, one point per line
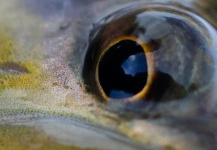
45 102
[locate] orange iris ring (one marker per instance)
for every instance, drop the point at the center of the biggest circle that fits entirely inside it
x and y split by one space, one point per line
150 64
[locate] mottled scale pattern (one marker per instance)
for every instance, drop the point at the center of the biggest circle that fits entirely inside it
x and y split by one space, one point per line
44 103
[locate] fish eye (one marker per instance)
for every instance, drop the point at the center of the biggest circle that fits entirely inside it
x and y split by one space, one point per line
150 52
122 70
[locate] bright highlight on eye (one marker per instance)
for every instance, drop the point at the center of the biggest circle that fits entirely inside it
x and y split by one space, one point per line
150 52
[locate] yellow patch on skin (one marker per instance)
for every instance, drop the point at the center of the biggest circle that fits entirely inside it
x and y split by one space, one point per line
25 137
31 80
13 50
27 55
6 47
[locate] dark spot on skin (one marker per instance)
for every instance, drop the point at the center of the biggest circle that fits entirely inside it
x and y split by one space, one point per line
55 84
66 87
157 116
193 87
64 26
91 105
12 67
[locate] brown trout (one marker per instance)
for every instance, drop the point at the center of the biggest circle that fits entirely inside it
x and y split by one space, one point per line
58 74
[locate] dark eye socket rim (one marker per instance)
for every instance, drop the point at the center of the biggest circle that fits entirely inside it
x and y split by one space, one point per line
151 73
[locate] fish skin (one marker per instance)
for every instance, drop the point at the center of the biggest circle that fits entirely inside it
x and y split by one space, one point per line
48 106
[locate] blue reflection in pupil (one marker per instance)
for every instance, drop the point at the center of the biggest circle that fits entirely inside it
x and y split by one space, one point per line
135 64
123 70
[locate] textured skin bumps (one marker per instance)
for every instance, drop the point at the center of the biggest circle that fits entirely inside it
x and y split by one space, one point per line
43 102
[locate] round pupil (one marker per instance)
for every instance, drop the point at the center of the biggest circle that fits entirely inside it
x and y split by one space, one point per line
123 70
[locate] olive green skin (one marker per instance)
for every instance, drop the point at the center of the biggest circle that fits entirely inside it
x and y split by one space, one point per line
44 103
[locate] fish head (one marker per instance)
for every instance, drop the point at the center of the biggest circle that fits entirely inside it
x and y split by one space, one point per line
51 95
